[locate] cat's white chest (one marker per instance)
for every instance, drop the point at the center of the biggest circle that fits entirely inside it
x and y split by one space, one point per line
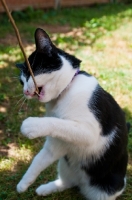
61 107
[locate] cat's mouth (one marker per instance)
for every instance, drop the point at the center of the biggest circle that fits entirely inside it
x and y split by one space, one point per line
40 89
40 92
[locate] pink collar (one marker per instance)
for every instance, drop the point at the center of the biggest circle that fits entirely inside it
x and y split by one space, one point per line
78 70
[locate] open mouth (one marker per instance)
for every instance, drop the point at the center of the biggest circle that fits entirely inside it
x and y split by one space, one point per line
40 92
40 89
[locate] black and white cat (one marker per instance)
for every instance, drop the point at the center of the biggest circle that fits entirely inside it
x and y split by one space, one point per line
85 127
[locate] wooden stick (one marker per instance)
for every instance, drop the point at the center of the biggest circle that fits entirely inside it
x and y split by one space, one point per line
20 43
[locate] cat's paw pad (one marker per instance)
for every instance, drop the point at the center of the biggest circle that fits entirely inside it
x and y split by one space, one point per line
43 190
21 187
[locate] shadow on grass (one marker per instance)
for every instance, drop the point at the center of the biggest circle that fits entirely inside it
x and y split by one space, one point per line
9 180
12 167
13 110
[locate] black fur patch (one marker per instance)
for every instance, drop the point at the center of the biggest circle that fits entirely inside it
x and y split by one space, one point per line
106 111
84 73
108 172
46 58
128 126
75 62
44 63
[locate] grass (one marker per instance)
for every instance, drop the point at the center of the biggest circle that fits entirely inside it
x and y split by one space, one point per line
101 37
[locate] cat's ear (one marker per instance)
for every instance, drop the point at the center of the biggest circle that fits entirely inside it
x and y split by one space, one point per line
20 66
43 42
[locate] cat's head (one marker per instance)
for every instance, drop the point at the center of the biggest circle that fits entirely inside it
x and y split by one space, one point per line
53 69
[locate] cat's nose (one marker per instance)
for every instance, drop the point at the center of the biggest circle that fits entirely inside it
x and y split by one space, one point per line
26 92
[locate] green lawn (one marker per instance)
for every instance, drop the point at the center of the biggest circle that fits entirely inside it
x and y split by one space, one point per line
101 37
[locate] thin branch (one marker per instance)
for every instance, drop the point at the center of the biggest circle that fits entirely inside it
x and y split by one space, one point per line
20 42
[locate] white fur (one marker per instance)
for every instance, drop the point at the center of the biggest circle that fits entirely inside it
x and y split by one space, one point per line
71 129
51 82
94 193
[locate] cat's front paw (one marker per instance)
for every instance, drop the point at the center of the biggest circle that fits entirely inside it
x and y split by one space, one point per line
21 187
30 127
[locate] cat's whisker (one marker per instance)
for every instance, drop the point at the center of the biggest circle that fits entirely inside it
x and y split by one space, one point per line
17 95
15 77
27 105
19 101
22 105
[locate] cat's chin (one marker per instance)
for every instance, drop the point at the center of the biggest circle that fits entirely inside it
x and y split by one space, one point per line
44 98
28 96
41 98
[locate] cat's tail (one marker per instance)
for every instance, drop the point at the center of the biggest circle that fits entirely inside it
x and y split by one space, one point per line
128 126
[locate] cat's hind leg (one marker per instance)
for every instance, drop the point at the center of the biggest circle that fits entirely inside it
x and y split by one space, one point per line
51 187
64 181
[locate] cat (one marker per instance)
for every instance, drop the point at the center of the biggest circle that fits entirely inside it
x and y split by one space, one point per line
84 126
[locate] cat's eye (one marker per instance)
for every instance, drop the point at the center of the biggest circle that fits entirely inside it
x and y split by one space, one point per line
21 82
20 66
